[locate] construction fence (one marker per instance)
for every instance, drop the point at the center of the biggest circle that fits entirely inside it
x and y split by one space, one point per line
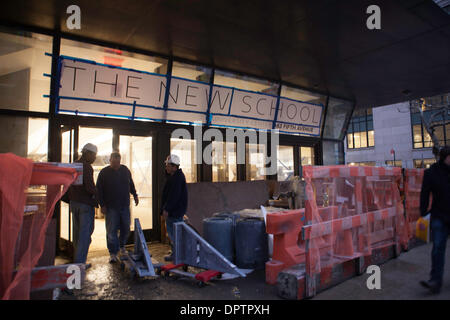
353 217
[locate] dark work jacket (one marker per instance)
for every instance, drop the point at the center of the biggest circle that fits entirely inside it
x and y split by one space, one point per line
85 193
174 197
436 180
114 187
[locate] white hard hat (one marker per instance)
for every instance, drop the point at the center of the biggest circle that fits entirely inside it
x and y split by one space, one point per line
89 147
173 159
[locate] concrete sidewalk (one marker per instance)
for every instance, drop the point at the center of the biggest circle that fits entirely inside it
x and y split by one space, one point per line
399 280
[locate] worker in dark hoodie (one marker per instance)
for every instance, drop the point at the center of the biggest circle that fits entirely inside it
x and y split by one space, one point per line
174 197
436 180
83 201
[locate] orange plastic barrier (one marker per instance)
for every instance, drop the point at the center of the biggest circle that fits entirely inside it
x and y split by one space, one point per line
369 215
17 174
288 245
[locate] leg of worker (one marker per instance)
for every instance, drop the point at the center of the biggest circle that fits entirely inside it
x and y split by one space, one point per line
439 233
86 227
112 220
170 221
75 211
124 226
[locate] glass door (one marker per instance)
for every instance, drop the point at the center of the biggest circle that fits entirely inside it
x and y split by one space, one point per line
65 221
73 138
103 139
136 154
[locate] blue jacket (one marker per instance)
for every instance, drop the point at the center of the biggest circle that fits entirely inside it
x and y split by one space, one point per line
174 196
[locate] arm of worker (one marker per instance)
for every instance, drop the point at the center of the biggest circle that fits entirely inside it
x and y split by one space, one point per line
88 179
425 193
133 190
100 192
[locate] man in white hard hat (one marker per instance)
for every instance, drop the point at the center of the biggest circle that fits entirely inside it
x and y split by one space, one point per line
174 197
83 200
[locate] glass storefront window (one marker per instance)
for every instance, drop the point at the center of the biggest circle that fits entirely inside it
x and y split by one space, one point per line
338 113
224 161
229 79
192 72
22 68
114 57
285 162
255 160
25 137
185 149
306 156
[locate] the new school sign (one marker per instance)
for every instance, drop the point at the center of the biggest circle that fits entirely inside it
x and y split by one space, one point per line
91 88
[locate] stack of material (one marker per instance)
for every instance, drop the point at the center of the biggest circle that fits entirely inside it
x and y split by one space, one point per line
256 213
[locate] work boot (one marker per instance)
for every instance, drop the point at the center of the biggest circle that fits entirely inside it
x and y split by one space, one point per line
168 257
123 251
113 258
433 286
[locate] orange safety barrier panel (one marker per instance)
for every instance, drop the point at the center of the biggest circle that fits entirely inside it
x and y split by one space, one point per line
288 246
19 253
367 215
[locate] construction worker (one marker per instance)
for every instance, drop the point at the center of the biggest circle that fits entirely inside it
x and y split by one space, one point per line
114 185
174 197
436 180
83 200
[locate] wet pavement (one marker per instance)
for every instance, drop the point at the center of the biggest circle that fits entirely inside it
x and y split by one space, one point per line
105 281
399 281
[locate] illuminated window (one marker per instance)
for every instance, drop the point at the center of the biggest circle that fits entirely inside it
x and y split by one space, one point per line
302 95
224 161
441 121
360 130
114 57
26 137
22 68
229 79
396 163
285 162
255 159
423 163
306 156
364 163
192 72
185 149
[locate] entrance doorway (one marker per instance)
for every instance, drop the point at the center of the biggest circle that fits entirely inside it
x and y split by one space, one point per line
136 152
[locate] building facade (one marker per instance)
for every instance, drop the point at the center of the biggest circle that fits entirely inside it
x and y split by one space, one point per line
394 135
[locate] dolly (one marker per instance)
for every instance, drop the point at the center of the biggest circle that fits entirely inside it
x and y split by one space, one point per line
139 263
191 250
202 277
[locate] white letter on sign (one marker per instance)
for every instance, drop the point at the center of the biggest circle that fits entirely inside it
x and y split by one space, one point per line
374 21
74 281
74 21
374 281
